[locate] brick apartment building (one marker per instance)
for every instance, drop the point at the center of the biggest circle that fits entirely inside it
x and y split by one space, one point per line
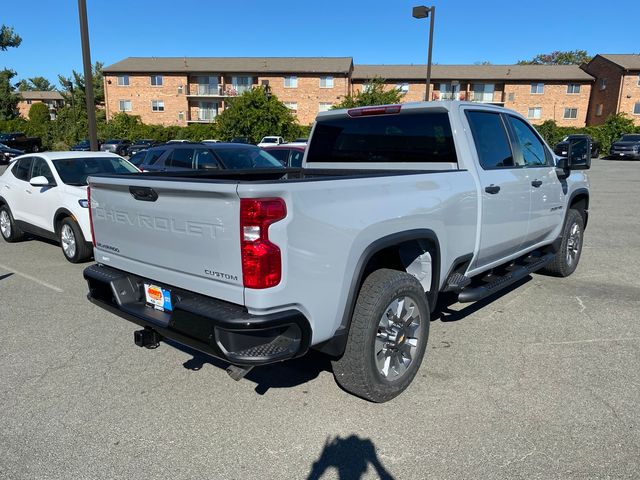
539 92
53 100
179 91
616 88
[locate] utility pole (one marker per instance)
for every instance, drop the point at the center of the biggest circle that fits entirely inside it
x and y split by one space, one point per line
88 75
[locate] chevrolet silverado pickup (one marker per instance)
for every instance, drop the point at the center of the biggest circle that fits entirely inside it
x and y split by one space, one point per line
347 255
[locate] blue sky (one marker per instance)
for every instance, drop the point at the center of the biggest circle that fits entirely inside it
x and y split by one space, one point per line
373 31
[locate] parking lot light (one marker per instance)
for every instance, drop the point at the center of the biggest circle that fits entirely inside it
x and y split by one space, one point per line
423 12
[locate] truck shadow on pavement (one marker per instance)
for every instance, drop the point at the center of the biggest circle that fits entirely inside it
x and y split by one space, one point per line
444 313
350 457
299 371
291 373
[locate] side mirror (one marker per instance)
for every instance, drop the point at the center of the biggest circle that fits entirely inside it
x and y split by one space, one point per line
579 154
41 181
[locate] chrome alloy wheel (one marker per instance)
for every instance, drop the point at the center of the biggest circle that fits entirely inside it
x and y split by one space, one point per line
574 242
68 240
5 224
400 331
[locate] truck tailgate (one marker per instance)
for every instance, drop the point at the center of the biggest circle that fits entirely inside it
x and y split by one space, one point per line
186 233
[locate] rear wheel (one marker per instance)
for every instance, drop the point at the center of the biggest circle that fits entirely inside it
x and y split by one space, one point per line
387 338
566 259
72 241
8 228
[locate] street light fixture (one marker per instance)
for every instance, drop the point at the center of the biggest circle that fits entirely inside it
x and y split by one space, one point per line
88 75
423 12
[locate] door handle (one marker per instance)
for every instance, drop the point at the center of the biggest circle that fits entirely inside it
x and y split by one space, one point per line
492 189
536 183
28 191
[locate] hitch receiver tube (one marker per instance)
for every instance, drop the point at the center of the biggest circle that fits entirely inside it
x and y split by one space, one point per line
147 338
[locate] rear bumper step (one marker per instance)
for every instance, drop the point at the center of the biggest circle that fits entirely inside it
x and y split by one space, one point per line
497 282
221 329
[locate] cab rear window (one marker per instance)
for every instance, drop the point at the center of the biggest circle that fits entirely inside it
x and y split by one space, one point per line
407 137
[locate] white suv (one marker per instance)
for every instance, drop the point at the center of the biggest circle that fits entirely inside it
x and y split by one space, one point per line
45 194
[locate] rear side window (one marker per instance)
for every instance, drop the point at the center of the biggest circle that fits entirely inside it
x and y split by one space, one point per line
407 137
205 159
21 169
181 158
152 156
296 159
490 137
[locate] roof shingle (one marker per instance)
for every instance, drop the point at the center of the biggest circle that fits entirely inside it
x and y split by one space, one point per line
472 72
232 65
628 61
40 95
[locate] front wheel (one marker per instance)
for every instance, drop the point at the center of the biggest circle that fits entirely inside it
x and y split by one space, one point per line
566 259
8 228
72 241
387 338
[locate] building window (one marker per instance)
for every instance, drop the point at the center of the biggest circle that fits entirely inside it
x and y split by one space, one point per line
326 82
403 88
291 82
603 83
207 111
124 105
180 89
157 105
324 106
156 80
367 87
512 97
599 109
181 116
123 80
483 92
28 102
573 88
239 85
535 113
537 88
293 106
636 108
570 113
639 79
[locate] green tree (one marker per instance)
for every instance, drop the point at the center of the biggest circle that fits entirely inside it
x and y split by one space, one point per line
255 114
39 113
571 57
8 99
9 38
35 83
373 93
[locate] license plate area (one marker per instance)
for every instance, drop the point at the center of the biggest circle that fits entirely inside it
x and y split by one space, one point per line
157 297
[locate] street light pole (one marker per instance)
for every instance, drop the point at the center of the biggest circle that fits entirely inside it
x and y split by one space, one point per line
424 12
88 75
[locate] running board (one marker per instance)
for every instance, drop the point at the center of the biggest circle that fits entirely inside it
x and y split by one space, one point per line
495 283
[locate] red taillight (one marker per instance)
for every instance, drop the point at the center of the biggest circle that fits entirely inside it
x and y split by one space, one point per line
365 111
93 235
261 259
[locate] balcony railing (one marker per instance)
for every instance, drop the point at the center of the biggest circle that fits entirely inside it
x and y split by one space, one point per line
200 90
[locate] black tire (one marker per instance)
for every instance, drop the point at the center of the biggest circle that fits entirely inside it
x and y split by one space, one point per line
357 371
565 263
12 233
82 250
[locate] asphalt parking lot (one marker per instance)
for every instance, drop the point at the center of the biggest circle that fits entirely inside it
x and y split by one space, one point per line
540 382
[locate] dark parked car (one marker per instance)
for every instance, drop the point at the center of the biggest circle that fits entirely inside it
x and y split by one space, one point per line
20 141
241 140
561 148
627 147
117 146
139 145
7 154
84 146
287 155
212 156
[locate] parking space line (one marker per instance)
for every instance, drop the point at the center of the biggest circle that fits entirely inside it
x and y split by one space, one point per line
33 279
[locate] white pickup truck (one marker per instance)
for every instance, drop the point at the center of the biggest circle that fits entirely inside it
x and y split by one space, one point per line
347 255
